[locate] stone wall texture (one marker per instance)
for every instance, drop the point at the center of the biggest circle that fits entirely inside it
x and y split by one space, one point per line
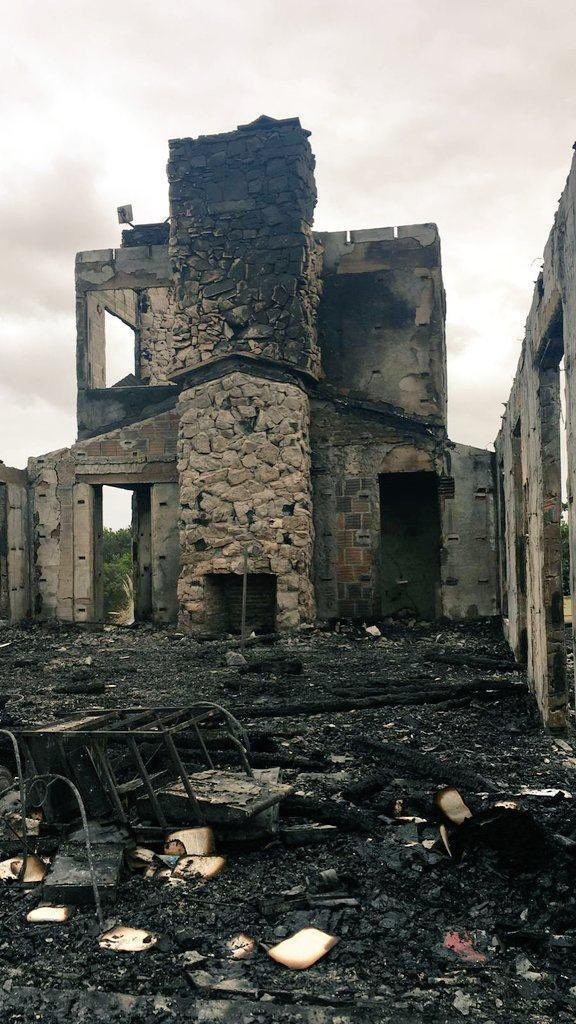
61 486
530 476
245 263
286 403
244 466
156 322
14 544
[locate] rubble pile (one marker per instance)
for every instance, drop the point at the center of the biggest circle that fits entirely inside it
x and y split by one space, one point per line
404 848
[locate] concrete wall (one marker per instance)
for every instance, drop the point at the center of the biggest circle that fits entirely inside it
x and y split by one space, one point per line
528 461
134 284
65 515
469 545
14 545
350 449
381 317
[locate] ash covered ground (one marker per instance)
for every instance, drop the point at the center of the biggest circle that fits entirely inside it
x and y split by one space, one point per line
487 934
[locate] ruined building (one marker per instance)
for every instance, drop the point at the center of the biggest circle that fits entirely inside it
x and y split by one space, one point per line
529 471
286 412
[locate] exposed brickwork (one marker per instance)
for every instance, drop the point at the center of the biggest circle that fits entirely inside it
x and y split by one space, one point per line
355 569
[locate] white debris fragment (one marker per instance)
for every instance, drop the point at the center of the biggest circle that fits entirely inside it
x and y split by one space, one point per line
372 631
127 940
303 949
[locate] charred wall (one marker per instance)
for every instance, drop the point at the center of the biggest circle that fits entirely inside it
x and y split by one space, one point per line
351 449
530 482
381 322
14 544
64 495
281 380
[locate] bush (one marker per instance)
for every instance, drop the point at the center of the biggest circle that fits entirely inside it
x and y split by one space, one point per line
117 565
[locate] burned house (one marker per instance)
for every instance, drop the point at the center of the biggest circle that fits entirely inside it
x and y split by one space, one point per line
528 462
286 416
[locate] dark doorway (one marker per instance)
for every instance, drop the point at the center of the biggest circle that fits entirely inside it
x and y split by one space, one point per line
223 596
142 552
409 544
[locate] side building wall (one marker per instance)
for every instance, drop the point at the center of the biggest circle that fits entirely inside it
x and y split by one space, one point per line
66 513
381 318
14 545
530 475
351 450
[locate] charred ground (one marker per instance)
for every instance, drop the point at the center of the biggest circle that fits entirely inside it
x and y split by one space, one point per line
332 710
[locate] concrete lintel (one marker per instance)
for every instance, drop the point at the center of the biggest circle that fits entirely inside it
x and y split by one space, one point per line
148 473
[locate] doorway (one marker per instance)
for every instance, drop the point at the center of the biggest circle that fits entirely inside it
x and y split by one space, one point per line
409 544
135 552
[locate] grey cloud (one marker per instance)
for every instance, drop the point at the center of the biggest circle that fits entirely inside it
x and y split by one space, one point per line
448 111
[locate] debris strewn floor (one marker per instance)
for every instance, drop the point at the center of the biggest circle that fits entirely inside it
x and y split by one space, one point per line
366 733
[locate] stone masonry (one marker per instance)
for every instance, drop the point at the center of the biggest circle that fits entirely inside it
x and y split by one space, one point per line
283 422
244 464
243 255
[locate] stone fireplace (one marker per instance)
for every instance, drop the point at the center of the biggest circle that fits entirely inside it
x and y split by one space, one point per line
244 465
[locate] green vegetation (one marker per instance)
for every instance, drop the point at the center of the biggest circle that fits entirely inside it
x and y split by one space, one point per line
117 567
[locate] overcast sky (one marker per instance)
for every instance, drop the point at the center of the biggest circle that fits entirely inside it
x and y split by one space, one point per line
461 112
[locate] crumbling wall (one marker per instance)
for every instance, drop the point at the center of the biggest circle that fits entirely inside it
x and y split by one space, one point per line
528 463
245 264
155 326
469 549
14 545
244 465
63 483
350 449
247 325
381 318
134 284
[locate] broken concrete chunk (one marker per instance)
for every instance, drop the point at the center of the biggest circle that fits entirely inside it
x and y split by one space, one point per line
234 659
372 631
199 867
303 949
191 957
127 940
193 841
49 914
452 805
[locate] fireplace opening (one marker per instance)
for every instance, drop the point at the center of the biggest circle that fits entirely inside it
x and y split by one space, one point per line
223 596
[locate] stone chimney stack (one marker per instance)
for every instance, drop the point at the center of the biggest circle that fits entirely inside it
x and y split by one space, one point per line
246 275
241 246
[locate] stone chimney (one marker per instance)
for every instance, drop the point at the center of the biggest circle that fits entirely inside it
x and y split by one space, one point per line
246 273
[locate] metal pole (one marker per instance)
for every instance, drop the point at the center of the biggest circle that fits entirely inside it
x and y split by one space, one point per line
244 595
